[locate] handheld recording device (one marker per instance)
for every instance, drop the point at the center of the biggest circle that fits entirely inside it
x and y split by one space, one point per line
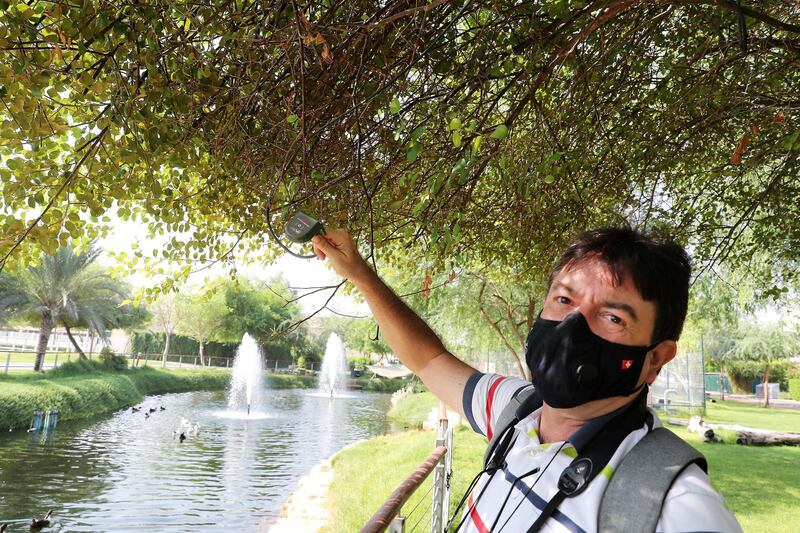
301 228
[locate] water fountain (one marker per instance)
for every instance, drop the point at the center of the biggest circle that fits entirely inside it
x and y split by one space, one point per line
334 373
247 380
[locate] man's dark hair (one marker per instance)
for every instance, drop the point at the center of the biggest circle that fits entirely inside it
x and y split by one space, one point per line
659 270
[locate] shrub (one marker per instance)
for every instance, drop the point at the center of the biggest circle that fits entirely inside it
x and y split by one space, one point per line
111 361
358 363
378 384
75 368
794 388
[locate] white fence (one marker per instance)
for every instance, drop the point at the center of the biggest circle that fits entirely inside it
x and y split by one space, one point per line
26 339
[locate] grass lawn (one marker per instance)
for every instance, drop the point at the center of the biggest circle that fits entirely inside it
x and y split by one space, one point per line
760 484
754 416
412 410
366 474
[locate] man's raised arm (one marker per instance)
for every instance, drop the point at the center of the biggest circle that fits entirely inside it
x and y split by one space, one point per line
410 338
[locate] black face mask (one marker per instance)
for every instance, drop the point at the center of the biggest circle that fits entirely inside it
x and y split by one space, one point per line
572 366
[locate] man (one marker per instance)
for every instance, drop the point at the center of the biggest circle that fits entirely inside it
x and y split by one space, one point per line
614 310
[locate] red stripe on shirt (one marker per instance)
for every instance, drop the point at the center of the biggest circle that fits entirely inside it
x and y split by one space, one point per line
476 519
489 401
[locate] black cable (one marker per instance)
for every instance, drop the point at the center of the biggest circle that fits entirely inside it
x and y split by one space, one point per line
491 467
464 498
530 488
508 495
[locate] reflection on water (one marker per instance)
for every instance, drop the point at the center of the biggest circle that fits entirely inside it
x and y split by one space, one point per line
128 473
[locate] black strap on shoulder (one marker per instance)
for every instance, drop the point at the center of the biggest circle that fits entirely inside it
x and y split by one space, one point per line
594 456
644 476
524 402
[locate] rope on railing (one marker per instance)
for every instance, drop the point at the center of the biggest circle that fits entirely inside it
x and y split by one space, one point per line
383 516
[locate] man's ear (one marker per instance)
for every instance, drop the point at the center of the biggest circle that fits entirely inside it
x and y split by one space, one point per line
663 353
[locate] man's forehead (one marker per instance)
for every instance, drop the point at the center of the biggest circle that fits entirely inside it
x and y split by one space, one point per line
616 292
592 270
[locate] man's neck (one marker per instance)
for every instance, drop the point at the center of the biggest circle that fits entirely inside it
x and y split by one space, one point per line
556 425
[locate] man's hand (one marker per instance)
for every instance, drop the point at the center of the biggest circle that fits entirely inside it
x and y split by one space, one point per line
338 246
410 338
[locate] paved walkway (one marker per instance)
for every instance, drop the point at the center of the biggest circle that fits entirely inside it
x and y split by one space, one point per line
749 398
305 509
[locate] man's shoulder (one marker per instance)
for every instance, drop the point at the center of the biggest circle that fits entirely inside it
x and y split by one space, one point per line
692 504
485 396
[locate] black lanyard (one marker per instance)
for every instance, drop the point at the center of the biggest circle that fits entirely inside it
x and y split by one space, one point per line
594 456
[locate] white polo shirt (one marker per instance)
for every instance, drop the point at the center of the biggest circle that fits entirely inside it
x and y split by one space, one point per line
691 505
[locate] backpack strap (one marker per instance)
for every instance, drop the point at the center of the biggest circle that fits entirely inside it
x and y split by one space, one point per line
524 402
644 476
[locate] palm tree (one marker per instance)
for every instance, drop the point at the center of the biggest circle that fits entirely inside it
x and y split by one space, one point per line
64 289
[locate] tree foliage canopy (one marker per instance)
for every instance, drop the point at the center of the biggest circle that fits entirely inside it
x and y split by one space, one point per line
470 131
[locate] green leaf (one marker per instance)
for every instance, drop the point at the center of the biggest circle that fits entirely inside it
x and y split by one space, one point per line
456 139
413 150
460 166
790 141
500 132
476 144
417 133
549 178
291 119
394 106
455 124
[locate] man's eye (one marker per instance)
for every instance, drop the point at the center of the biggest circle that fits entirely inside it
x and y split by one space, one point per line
615 319
563 300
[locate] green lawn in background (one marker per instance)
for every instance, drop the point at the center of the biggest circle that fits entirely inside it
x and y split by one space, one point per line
760 484
754 416
18 358
414 409
366 474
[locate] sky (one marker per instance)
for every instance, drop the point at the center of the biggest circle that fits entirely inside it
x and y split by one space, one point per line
297 272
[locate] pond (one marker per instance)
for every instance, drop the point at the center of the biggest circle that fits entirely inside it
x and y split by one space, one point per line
125 472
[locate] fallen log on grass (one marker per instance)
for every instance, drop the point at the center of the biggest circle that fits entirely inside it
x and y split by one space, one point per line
768 438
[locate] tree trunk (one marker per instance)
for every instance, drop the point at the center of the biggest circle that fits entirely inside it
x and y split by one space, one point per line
764 387
202 345
45 328
764 438
74 342
166 351
497 330
722 381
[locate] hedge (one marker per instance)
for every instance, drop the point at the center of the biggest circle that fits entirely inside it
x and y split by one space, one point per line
794 389
744 373
150 342
87 389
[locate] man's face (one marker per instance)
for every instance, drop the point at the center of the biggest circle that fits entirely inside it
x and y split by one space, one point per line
616 313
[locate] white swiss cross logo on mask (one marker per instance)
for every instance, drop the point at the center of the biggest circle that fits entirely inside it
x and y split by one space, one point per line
627 364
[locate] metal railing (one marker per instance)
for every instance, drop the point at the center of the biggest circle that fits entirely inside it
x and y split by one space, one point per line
389 517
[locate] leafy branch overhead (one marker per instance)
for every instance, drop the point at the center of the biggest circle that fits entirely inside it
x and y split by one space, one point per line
468 130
